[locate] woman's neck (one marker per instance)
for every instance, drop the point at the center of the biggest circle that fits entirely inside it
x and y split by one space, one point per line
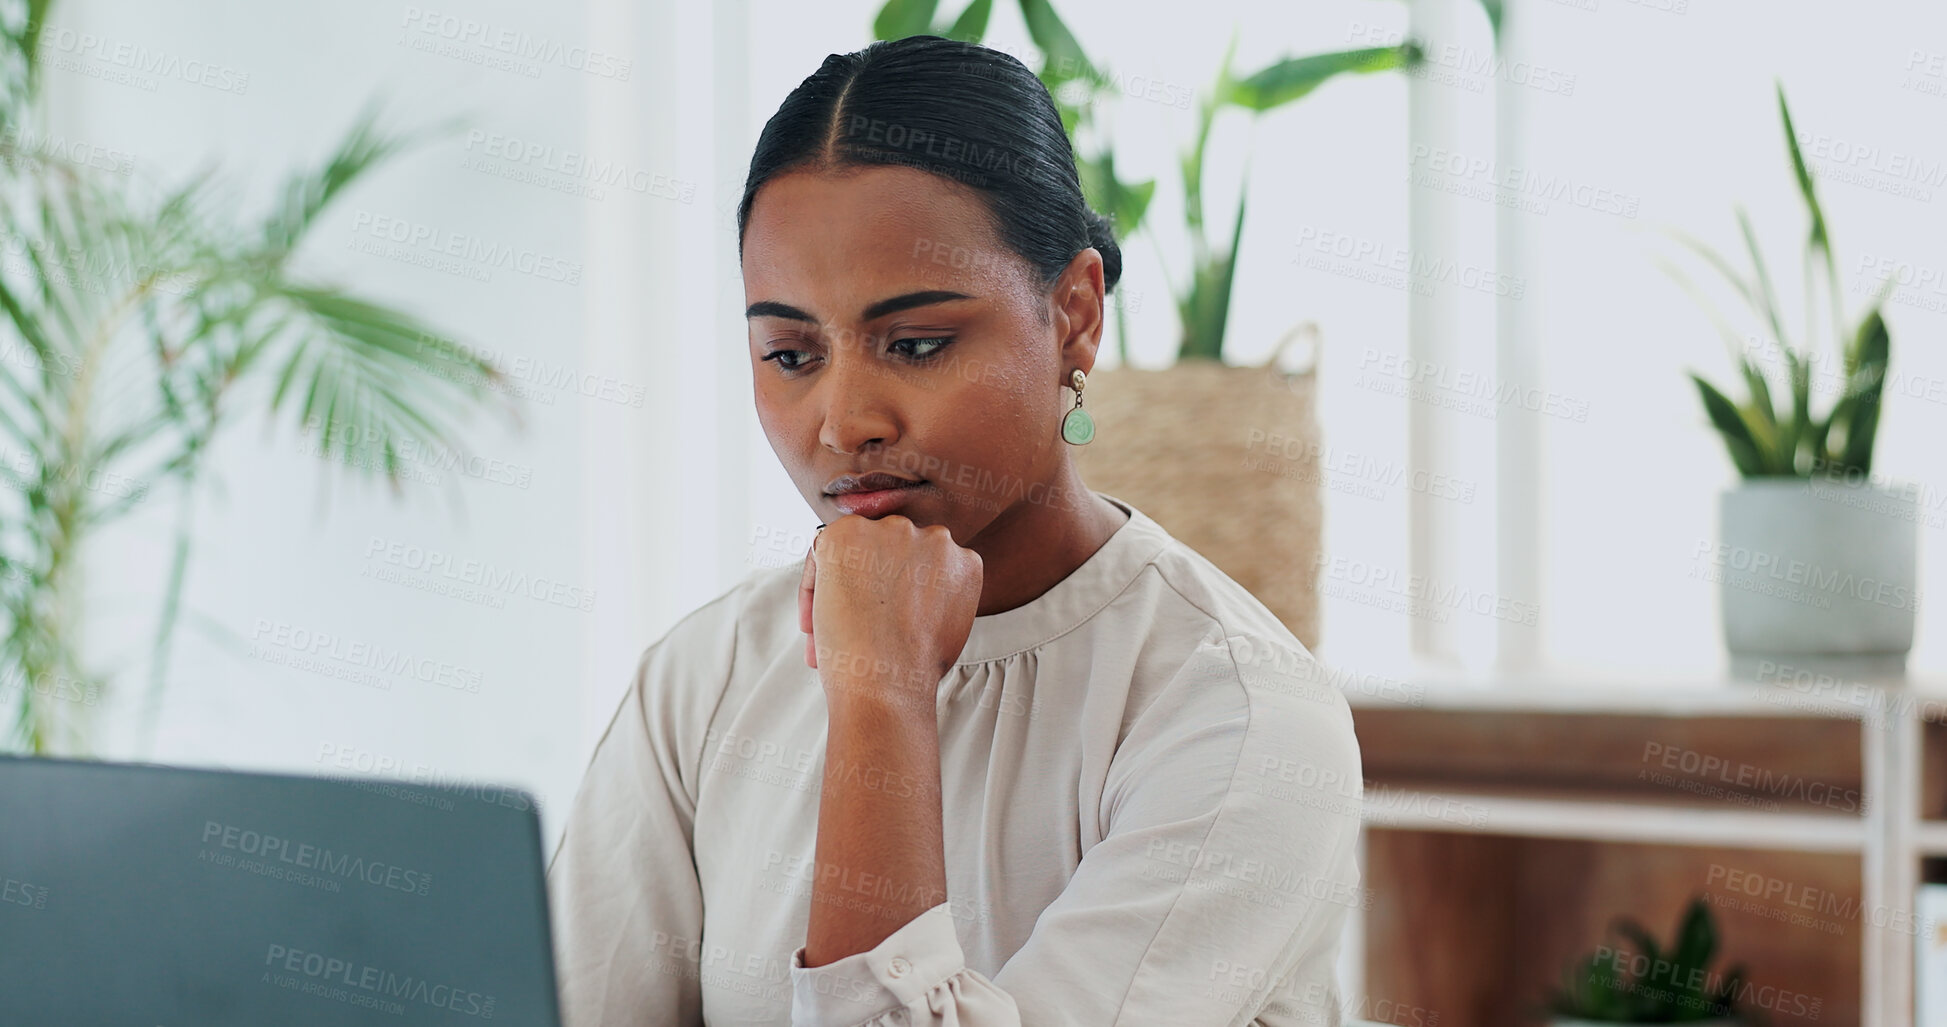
1032 546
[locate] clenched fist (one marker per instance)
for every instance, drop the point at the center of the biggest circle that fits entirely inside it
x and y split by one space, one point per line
886 607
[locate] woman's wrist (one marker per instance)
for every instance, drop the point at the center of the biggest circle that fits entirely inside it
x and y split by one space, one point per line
896 695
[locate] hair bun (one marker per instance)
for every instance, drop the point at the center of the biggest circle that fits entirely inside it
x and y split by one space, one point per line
1101 235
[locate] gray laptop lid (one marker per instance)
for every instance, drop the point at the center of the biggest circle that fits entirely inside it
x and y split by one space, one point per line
177 897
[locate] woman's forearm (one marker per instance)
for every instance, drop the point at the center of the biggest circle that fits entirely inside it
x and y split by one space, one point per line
880 855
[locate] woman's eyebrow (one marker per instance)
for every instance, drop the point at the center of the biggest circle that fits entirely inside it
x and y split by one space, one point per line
772 308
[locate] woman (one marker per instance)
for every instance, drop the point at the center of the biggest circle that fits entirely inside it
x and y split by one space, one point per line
1001 751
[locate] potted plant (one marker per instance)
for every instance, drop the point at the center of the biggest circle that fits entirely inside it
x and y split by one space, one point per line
133 328
1815 558
1160 428
1638 981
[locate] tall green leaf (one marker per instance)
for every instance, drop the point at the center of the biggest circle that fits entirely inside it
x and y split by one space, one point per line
901 18
1295 77
971 26
1730 424
1065 60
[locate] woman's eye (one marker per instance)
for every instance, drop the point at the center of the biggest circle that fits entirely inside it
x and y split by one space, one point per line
781 355
926 347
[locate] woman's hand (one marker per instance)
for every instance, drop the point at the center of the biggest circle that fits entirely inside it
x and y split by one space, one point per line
886 606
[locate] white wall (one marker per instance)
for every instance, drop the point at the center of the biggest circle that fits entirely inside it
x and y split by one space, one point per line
659 507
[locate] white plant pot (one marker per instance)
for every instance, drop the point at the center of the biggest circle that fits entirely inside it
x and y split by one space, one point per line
1817 573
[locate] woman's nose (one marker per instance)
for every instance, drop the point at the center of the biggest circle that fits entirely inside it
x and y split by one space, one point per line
857 409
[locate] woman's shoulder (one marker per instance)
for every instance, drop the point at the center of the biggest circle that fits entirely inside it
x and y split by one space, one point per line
682 679
1232 655
749 612
1227 705
1203 587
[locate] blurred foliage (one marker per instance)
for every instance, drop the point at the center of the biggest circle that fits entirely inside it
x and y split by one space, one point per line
1640 981
133 323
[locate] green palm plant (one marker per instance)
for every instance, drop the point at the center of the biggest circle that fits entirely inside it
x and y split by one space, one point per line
1673 985
132 329
1766 438
1077 84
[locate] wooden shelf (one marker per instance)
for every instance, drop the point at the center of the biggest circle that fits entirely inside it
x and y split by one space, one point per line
1695 695
1522 815
1930 838
1570 814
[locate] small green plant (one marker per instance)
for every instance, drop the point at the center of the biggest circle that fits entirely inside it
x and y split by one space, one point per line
1640 981
1766 439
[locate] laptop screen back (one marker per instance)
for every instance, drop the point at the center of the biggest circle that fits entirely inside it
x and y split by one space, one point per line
177 897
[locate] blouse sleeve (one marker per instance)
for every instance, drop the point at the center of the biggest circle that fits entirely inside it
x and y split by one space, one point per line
1216 895
624 896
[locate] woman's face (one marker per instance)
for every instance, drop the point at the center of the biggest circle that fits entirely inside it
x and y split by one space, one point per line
892 332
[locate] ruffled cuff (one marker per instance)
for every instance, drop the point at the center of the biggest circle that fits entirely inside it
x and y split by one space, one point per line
894 974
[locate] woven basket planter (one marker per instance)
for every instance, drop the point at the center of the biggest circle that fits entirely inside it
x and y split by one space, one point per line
1225 458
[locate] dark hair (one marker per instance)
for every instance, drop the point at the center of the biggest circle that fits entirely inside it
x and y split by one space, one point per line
956 109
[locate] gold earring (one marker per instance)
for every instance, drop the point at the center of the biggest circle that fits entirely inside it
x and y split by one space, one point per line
1078 428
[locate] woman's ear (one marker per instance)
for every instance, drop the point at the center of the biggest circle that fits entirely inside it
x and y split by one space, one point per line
1078 300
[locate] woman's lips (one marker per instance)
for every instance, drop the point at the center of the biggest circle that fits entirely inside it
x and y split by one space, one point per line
876 502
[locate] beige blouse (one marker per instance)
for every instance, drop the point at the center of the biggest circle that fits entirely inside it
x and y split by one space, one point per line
1151 799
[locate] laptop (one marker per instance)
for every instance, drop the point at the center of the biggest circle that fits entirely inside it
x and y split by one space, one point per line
138 894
